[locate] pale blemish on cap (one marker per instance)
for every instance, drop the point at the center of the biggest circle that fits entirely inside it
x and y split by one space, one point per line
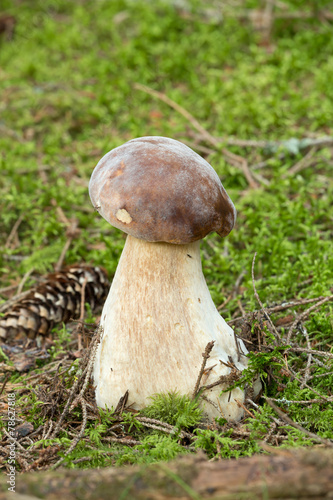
123 216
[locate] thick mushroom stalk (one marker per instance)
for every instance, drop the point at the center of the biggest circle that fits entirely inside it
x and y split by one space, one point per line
157 320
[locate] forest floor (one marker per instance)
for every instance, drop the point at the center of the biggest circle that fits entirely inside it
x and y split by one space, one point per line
249 87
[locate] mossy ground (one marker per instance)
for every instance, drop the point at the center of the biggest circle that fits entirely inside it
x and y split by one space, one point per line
68 75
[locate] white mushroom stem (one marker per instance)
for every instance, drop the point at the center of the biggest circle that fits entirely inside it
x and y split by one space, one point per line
157 320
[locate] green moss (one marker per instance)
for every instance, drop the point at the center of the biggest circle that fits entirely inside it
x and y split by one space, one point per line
68 96
174 409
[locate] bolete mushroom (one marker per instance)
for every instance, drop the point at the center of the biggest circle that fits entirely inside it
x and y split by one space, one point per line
159 316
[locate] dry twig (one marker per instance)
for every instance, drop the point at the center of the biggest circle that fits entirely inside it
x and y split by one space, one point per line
164 427
261 304
304 315
305 162
79 436
13 232
71 233
230 378
289 421
205 356
24 280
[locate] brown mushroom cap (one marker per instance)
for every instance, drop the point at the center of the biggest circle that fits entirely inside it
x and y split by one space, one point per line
158 189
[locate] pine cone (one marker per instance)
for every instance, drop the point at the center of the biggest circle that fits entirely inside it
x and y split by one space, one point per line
58 300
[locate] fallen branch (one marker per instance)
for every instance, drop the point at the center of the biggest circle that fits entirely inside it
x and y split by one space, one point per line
283 474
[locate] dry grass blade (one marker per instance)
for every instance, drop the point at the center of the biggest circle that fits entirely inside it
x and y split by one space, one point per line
71 233
273 309
13 232
24 280
309 354
304 315
90 365
72 399
289 421
305 162
79 436
311 351
276 333
182 111
230 157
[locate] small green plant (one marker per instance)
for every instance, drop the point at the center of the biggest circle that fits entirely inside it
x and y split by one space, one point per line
217 444
3 356
95 433
62 337
153 448
174 409
132 423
